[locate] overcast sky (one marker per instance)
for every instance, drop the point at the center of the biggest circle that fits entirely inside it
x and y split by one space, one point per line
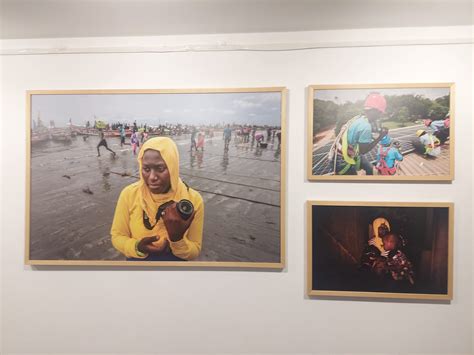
154 109
352 95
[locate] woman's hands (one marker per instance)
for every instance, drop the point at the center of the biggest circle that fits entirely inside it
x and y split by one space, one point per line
175 225
152 245
373 242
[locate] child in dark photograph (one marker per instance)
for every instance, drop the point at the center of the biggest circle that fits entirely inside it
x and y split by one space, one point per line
397 263
380 249
383 260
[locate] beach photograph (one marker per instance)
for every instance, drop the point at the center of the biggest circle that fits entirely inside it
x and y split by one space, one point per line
156 176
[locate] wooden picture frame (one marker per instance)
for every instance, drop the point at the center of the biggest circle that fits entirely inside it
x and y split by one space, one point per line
341 263
43 209
333 110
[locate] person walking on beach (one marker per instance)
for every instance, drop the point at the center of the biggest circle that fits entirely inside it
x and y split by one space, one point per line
259 138
210 135
200 142
227 137
103 142
193 139
135 142
122 135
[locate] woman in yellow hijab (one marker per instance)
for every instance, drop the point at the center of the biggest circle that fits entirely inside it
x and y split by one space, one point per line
380 227
372 258
141 230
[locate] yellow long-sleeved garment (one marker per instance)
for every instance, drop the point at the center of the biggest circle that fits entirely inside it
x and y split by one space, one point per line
128 228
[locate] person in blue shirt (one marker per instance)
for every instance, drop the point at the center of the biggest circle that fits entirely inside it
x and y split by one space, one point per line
356 139
434 125
387 156
440 128
227 136
122 135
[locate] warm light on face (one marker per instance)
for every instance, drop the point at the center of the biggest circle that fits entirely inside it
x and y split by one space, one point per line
390 242
383 230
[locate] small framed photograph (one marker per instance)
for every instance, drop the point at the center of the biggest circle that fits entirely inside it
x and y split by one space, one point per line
192 178
380 249
379 132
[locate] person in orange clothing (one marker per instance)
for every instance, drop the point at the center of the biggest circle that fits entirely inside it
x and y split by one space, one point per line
150 222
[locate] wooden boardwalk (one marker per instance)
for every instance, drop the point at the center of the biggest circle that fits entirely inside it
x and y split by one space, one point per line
415 164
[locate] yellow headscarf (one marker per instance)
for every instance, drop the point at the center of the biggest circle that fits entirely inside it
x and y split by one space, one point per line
375 225
169 152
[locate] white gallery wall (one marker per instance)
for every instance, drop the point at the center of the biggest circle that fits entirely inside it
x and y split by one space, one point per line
124 310
1 207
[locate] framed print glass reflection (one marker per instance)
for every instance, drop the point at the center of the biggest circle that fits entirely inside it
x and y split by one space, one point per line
380 249
369 132
156 177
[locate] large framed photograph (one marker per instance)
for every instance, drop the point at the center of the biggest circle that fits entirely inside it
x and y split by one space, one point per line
380 249
402 132
156 177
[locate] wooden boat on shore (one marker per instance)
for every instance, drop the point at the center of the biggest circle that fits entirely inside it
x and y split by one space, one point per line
61 134
39 137
61 137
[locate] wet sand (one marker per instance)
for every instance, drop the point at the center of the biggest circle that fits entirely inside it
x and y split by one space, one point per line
74 192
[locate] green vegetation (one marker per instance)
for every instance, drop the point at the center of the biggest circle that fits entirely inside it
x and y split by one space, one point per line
402 111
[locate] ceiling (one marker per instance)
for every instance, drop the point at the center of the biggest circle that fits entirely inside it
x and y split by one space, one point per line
103 18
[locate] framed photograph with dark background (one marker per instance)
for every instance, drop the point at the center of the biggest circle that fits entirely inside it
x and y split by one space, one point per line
380 249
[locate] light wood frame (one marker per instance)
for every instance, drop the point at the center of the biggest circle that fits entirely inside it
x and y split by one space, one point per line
180 264
309 150
356 294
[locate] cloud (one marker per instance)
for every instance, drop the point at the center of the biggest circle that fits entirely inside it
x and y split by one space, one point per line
218 111
258 107
258 102
246 104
